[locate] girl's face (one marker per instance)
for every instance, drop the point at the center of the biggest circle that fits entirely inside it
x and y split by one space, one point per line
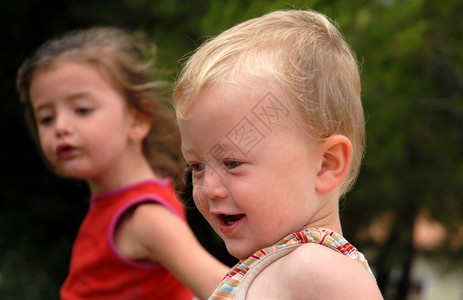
253 178
82 120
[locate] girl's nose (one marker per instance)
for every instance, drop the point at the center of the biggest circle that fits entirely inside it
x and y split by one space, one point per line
62 126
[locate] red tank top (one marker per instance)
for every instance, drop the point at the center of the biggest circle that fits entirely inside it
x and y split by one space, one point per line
97 271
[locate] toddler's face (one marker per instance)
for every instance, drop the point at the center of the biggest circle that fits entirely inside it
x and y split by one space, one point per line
253 178
81 119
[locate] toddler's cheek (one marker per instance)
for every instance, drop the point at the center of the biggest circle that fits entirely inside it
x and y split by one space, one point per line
200 194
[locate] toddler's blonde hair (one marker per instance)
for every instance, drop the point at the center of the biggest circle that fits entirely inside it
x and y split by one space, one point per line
306 56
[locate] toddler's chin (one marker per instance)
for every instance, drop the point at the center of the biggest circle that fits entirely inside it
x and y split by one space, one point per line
240 254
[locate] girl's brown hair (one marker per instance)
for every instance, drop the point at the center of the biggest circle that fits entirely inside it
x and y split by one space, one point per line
127 60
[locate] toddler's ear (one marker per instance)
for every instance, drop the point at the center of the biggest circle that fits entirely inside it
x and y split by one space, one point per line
336 154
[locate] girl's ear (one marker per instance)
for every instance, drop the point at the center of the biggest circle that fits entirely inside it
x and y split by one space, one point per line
336 154
140 125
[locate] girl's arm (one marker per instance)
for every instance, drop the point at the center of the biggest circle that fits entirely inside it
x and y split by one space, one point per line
152 232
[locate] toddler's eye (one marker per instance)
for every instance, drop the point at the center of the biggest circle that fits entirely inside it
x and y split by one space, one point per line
196 167
231 164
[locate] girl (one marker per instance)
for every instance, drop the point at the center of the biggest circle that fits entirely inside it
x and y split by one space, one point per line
91 100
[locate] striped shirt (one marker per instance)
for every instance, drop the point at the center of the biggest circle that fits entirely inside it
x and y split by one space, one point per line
238 279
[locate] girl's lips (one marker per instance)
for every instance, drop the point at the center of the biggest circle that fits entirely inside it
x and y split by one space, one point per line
65 151
227 223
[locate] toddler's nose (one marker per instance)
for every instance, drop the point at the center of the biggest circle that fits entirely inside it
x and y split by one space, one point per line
211 186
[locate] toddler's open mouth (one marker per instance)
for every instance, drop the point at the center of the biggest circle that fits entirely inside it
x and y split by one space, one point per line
229 220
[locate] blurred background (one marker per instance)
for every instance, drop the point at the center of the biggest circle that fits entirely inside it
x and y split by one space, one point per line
406 211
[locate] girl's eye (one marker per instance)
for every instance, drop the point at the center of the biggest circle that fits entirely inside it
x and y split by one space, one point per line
45 120
231 164
84 110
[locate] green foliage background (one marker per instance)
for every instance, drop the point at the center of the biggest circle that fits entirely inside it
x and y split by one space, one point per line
411 59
